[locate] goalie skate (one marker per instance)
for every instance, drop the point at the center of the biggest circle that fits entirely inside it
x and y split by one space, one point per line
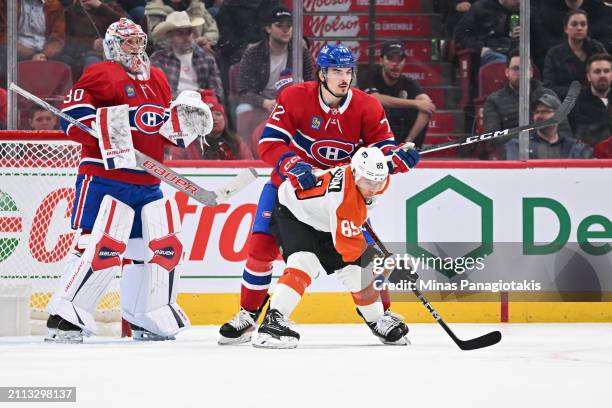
140 334
62 331
276 332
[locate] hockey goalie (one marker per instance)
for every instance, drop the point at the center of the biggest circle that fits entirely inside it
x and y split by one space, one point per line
127 226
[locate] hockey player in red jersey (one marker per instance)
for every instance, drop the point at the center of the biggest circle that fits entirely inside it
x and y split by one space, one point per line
314 125
320 228
120 209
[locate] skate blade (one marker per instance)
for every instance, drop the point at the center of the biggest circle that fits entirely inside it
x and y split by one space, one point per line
401 342
63 339
263 340
136 336
228 341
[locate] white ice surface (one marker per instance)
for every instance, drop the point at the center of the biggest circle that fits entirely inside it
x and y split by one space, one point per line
535 365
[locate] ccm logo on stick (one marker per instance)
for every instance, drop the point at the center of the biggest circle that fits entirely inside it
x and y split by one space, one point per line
485 136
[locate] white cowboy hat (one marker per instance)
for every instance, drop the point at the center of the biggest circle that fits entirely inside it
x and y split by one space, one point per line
174 20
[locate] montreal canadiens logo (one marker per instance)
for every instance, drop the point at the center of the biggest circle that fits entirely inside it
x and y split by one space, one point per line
331 152
149 118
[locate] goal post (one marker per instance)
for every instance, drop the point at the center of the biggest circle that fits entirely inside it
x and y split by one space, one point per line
37 177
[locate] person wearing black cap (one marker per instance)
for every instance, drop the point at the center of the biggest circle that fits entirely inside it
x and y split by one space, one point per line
408 108
261 67
549 142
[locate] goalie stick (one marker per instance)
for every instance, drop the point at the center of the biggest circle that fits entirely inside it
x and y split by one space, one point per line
157 169
560 114
485 340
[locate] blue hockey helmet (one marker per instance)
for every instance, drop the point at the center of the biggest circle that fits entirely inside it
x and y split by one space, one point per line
335 56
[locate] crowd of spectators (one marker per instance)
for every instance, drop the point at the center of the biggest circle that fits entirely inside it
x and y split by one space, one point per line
238 54
570 41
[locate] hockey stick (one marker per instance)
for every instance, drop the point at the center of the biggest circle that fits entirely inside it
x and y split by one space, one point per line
485 340
155 168
561 113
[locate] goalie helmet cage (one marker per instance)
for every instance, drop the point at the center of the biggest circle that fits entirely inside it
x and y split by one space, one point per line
37 176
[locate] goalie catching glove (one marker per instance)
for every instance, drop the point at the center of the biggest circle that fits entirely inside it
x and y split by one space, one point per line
189 118
403 158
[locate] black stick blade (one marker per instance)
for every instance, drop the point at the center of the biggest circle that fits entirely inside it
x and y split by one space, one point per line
483 341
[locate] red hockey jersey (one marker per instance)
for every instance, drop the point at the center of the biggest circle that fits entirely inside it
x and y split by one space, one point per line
108 84
303 123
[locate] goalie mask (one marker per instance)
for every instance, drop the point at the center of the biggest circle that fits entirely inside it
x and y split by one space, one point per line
125 43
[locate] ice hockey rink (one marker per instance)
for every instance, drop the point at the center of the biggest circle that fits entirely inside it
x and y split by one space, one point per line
535 365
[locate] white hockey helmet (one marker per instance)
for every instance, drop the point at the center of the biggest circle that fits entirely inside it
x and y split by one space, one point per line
125 43
369 163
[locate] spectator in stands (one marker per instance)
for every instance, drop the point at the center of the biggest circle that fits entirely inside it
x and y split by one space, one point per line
553 12
134 8
213 7
485 29
501 107
222 144
549 142
565 62
42 119
408 108
86 24
240 23
41 30
261 67
457 9
187 65
156 11
591 118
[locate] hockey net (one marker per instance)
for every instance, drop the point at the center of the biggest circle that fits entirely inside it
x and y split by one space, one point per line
36 197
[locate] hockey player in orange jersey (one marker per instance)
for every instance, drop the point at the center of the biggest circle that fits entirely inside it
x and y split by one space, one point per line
320 228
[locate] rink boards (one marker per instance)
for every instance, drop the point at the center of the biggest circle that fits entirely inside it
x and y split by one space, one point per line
522 218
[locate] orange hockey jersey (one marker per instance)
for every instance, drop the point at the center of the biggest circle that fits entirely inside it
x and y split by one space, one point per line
334 205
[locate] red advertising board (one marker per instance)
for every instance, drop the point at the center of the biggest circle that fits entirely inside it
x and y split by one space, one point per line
415 50
425 74
442 123
357 26
342 6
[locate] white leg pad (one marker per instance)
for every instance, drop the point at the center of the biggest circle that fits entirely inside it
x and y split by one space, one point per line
148 292
82 286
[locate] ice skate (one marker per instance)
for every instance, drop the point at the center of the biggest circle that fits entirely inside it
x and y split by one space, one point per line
62 331
276 332
140 334
240 329
389 328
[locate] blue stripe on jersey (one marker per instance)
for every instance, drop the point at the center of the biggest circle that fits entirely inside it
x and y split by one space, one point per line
77 113
384 143
273 134
256 280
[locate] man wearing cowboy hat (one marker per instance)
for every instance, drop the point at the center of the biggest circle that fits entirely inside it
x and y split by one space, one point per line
187 65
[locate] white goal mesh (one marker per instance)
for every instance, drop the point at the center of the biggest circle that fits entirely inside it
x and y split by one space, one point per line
36 196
